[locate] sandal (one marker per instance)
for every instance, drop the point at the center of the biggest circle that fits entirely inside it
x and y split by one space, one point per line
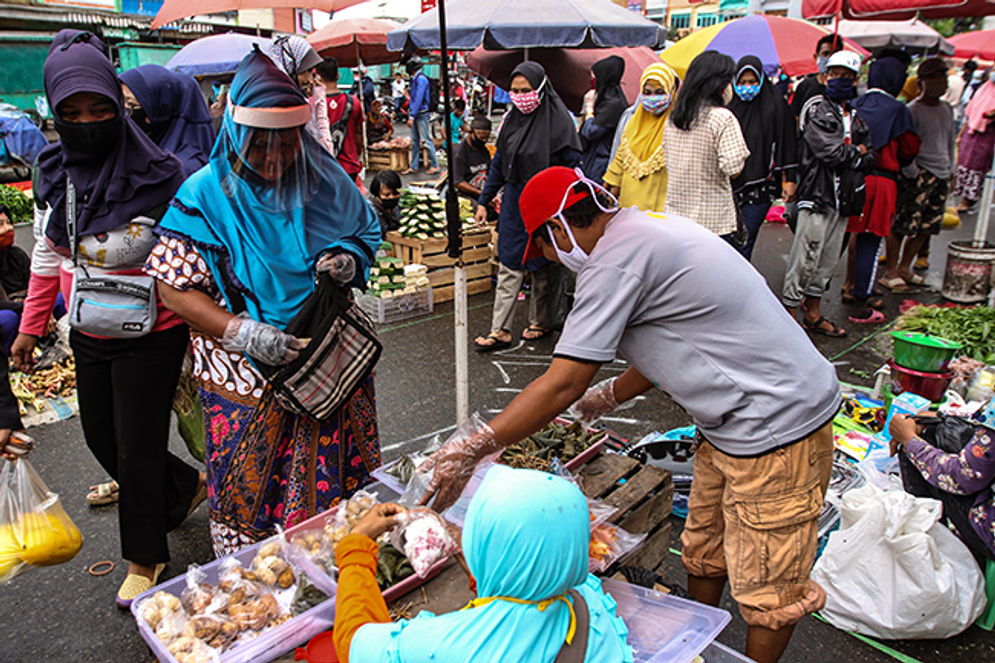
876 303
408 171
922 264
915 279
816 328
538 332
497 343
103 493
868 316
134 585
896 284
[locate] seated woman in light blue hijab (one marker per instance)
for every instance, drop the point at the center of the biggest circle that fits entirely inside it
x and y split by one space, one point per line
525 540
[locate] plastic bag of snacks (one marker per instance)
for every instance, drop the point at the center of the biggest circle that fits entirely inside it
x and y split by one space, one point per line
34 529
609 544
422 536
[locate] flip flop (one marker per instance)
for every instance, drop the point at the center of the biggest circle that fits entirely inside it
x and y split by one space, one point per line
103 494
816 328
542 332
498 344
915 279
873 318
408 171
896 284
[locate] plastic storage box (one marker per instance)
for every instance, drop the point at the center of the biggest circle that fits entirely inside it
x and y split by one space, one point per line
395 309
268 645
719 653
664 628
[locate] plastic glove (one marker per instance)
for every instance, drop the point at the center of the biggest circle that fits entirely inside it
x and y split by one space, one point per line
454 464
260 341
340 266
596 402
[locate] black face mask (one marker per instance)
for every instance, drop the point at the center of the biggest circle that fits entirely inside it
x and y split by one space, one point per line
476 142
141 118
389 203
89 139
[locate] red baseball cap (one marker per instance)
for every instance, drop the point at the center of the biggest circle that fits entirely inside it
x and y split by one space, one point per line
543 197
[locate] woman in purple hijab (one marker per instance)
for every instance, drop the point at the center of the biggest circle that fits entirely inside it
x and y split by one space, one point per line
169 107
122 183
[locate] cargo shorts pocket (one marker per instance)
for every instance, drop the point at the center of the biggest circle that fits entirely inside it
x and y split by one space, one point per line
776 538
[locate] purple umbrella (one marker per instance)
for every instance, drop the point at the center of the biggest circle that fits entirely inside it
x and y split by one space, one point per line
214 55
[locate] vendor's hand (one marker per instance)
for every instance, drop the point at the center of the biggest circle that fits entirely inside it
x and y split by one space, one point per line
862 148
480 216
788 191
411 122
23 352
260 341
596 402
902 428
381 518
340 266
14 445
454 464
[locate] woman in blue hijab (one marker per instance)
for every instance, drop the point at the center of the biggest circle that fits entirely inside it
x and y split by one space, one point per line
246 235
526 574
169 107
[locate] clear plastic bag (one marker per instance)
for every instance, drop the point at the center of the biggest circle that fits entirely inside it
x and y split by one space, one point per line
422 536
34 528
610 543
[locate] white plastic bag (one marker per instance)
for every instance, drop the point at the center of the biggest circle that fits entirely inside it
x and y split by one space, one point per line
893 571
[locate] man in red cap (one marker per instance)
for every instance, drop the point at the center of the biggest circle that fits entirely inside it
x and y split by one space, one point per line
695 320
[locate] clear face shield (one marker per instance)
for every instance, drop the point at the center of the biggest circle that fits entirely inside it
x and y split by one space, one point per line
272 157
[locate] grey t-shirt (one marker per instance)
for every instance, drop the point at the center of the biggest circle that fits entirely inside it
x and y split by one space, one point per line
694 317
935 126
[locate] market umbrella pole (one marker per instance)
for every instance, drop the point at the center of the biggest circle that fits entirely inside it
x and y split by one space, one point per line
454 230
362 105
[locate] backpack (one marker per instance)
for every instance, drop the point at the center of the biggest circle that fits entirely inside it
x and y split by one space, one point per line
338 130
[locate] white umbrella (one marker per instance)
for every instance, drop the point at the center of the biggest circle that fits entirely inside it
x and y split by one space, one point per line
912 35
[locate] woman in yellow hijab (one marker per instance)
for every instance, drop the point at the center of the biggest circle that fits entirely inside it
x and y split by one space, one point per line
637 174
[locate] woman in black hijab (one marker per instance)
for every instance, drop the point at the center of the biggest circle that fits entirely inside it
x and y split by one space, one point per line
598 129
769 131
537 132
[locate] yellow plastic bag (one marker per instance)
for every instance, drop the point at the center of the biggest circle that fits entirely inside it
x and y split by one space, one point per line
34 528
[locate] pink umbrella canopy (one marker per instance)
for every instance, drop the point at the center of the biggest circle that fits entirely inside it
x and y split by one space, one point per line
569 70
343 39
174 10
978 44
896 9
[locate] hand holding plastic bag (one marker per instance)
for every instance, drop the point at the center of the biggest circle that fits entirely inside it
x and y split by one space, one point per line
454 464
597 402
34 529
260 341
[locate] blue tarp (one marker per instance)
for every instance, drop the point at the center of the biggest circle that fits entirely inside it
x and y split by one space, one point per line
512 24
24 141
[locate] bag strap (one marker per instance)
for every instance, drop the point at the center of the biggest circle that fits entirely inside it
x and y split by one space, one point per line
577 649
71 219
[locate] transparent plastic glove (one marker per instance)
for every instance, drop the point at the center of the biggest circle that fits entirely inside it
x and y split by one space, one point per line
341 266
260 341
596 402
455 463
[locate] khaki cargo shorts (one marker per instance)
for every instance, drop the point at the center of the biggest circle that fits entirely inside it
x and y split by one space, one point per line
755 520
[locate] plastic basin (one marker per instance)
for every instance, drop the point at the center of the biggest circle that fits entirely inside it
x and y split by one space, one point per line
928 385
923 352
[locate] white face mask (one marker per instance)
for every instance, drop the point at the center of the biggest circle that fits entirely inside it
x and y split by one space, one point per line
576 257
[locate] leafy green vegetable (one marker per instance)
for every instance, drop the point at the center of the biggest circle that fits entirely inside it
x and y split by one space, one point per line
971 327
18 204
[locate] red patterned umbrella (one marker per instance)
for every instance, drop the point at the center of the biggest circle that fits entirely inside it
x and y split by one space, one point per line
978 44
344 39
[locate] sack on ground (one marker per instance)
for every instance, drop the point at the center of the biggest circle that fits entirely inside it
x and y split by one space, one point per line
34 529
894 571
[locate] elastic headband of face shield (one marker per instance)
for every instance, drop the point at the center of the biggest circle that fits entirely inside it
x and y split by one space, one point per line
279 117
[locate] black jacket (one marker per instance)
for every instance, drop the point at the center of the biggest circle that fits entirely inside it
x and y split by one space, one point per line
824 157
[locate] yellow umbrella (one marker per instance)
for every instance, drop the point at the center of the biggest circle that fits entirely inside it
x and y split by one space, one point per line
776 40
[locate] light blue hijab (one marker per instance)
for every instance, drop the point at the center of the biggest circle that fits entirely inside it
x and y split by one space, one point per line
268 235
526 536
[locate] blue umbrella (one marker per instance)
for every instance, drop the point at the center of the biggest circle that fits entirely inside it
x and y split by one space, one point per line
512 24
217 54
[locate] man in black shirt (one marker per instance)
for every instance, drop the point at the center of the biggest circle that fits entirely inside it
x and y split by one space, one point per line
472 160
815 84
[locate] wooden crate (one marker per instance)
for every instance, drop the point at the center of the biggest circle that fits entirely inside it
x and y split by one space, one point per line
644 501
396 159
441 275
